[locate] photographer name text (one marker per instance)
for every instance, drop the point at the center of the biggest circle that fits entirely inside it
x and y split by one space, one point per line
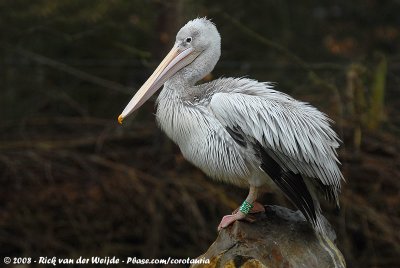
54 261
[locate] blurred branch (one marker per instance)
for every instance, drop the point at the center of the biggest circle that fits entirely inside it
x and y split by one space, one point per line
133 50
263 40
71 142
376 112
355 102
362 207
314 77
75 72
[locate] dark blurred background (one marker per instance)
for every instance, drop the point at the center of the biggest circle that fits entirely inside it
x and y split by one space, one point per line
75 183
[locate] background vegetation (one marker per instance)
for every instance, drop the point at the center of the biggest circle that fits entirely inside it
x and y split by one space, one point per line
75 183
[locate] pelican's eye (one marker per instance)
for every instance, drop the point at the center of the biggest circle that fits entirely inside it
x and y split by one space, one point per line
188 40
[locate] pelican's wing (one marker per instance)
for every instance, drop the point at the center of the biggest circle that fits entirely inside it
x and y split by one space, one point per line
294 134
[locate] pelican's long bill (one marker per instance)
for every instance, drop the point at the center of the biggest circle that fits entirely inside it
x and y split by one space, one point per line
176 59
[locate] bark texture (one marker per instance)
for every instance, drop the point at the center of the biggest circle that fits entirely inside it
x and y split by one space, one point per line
279 237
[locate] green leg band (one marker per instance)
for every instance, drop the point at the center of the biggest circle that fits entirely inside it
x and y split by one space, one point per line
246 207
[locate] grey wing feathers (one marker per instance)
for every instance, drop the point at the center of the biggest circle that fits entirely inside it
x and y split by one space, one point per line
298 135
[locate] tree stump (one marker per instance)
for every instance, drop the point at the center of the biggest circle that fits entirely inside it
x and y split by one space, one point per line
279 237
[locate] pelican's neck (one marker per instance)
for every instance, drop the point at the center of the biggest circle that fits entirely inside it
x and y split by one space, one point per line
175 90
179 82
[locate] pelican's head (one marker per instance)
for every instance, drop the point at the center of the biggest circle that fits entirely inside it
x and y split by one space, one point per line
196 51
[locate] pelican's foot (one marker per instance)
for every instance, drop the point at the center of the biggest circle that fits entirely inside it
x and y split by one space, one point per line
229 219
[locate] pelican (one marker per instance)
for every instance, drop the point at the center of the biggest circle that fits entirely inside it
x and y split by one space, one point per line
241 131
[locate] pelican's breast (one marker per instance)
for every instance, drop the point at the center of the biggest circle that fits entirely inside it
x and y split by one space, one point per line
202 139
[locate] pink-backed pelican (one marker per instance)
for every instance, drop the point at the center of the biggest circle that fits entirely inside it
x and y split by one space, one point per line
242 131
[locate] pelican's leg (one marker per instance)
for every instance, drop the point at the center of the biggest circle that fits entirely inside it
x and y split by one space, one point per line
257 208
248 206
